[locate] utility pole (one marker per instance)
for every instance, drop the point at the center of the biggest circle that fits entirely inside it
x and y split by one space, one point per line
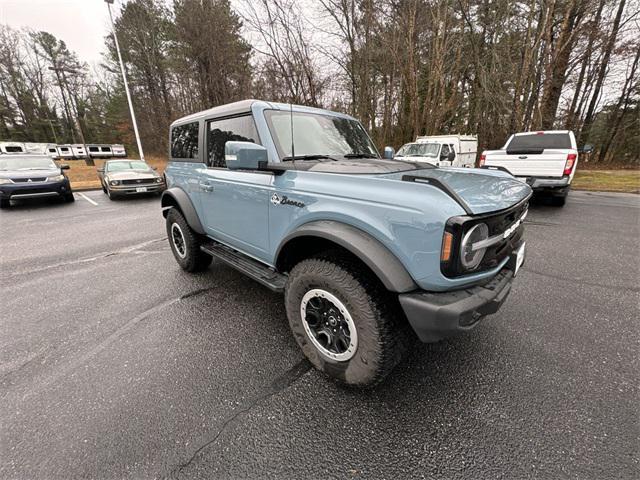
124 79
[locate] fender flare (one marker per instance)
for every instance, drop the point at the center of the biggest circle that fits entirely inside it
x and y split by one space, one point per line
176 197
384 264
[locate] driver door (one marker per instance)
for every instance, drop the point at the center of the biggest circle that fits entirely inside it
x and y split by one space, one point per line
235 203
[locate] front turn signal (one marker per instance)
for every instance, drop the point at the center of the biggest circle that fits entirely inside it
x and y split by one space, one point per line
447 247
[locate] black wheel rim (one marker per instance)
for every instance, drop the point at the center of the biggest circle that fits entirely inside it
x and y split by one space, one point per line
328 324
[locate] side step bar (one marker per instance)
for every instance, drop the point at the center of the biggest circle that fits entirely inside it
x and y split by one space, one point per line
252 268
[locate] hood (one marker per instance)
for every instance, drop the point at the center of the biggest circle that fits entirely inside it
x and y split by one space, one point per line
41 172
131 175
483 191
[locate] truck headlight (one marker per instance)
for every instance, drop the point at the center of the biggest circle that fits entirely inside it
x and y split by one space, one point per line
470 258
55 178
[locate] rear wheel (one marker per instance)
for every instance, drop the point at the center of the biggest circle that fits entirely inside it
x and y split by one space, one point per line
346 323
185 243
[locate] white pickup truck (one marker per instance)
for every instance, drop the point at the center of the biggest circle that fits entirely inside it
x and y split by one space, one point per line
544 160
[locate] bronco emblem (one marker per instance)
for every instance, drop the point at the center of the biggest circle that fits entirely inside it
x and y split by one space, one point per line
284 200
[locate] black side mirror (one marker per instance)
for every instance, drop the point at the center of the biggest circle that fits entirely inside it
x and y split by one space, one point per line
100 170
64 167
451 157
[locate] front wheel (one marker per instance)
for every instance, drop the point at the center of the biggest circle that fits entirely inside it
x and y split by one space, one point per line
5 203
346 323
68 198
185 243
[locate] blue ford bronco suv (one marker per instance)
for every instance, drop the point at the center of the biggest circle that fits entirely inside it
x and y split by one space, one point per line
370 252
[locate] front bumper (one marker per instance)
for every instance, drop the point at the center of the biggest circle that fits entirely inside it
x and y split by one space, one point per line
34 189
133 188
434 316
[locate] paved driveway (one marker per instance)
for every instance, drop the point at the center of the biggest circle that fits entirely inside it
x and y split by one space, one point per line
114 363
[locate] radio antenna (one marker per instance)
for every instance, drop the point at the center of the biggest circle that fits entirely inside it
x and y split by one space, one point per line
293 152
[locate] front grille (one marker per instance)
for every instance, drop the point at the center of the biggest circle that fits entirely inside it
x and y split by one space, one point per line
33 179
31 191
495 254
139 181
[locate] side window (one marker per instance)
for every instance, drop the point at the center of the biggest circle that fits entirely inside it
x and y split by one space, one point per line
219 132
445 151
184 141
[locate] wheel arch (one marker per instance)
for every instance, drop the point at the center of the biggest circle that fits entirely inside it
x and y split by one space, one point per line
315 237
177 198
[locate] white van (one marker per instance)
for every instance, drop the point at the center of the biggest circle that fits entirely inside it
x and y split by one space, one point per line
464 147
100 151
52 151
12 147
65 151
78 150
118 150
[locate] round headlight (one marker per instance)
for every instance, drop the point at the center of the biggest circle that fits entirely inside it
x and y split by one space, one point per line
470 258
114 182
158 179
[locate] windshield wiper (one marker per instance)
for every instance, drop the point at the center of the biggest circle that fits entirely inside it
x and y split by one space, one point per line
359 155
309 157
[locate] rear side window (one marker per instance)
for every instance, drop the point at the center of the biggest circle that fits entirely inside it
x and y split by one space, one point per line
93 149
184 141
540 141
14 149
219 132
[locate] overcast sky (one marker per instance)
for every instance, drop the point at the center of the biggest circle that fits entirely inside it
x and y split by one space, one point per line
82 24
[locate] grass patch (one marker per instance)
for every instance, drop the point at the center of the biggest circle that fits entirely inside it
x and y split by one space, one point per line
84 177
607 180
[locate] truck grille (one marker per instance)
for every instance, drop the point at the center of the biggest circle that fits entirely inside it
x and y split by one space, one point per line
498 223
139 181
33 179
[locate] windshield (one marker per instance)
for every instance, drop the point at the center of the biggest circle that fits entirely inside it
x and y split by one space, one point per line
124 166
319 135
26 163
540 140
419 150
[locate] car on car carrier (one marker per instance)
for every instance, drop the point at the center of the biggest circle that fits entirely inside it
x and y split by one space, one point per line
369 252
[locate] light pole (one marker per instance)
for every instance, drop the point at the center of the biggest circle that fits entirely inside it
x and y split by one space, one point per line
124 79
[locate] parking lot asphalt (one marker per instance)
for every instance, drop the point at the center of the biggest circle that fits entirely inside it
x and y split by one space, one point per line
116 364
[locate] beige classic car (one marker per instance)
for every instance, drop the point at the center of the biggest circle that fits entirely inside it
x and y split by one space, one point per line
121 178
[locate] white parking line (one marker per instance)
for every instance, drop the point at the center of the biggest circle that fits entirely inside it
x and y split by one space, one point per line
87 198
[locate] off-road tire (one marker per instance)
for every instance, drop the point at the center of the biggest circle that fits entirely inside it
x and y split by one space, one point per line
194 259
5 203
382 331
